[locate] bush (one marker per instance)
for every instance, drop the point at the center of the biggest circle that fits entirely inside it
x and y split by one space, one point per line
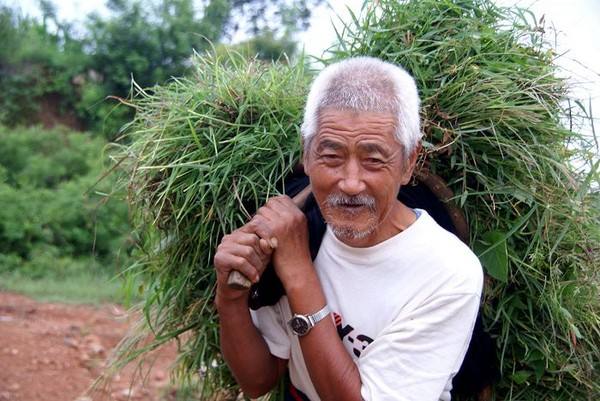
36 64
52 220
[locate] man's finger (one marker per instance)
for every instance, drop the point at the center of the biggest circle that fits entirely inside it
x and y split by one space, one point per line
268 211
283 202
235 262
265 246
251 228
260 227
252 253
282 209
248 238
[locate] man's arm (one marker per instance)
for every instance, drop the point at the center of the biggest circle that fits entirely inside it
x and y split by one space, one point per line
332 370
244 349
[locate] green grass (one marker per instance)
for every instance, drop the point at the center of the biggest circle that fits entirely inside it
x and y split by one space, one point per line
81 288
204 151
493 102
202 154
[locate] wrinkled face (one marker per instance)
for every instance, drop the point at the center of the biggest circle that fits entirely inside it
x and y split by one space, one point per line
356 167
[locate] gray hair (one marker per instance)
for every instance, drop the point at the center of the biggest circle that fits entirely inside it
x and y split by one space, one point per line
366 84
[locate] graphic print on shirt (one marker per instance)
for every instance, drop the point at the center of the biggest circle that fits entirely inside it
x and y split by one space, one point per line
358 342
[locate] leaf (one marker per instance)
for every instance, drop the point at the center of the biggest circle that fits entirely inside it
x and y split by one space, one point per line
493 254
539 368
523 196
521 376
463 198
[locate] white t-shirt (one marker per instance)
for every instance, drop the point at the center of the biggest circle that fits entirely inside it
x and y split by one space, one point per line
404 308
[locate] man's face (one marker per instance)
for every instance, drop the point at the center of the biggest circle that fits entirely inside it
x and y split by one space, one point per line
356 167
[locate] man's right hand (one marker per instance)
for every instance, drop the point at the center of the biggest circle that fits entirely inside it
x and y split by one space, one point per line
244 349
244 251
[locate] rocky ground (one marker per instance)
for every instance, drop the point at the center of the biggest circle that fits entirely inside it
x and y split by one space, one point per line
54 352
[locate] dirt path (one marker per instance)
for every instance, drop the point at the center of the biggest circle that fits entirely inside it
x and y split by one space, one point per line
53 352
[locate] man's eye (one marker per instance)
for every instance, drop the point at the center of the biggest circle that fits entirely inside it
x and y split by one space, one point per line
331 156
374 160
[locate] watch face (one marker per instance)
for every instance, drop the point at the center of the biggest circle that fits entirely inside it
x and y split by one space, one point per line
299 325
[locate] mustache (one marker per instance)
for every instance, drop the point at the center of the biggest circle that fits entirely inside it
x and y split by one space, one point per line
341 200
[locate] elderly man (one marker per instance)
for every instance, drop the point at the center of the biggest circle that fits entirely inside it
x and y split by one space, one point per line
386 309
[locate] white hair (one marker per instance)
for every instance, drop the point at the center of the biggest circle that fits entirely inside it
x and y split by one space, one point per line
366 84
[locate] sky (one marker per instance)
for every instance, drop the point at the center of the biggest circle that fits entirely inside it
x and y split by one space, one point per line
576 24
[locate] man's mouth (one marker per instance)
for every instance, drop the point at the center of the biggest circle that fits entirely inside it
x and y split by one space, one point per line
351 204
350 207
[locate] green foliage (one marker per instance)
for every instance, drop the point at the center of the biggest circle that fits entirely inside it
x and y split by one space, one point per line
281 16
147 42
264 47
204 152
34 65
51 223
491 112
37 159
150 42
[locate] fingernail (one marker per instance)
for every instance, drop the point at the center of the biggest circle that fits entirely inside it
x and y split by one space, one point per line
273 242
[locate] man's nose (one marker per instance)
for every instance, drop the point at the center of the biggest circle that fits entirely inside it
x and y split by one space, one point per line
352 182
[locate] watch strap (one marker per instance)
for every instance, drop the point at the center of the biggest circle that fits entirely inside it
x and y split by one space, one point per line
318 316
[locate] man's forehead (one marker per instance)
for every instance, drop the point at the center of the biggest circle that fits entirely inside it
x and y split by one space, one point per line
370 129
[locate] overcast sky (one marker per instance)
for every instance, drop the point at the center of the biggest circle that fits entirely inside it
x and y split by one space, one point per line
577 23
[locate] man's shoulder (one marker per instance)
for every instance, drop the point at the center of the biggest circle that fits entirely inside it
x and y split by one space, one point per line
451 260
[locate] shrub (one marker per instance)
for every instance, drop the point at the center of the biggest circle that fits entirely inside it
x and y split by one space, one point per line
53 216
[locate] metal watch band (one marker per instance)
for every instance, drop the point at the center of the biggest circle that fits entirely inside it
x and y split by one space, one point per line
318 316
302 324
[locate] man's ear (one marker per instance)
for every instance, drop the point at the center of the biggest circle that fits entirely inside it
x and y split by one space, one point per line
409 165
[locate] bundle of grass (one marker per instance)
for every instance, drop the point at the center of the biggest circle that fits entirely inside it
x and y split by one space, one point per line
492 116
203 153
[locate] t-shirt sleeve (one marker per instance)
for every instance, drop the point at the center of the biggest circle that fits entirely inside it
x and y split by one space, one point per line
413 358
269 323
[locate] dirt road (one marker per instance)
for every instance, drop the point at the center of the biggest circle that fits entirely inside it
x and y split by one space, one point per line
53 352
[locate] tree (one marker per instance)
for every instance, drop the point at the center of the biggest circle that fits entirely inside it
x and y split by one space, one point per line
153 41
36 63
149 41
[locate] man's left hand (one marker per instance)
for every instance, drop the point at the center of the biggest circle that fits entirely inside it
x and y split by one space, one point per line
281 218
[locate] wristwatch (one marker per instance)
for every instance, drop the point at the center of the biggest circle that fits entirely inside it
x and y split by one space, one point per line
301 324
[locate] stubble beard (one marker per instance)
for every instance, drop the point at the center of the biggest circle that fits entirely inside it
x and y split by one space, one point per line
338 203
